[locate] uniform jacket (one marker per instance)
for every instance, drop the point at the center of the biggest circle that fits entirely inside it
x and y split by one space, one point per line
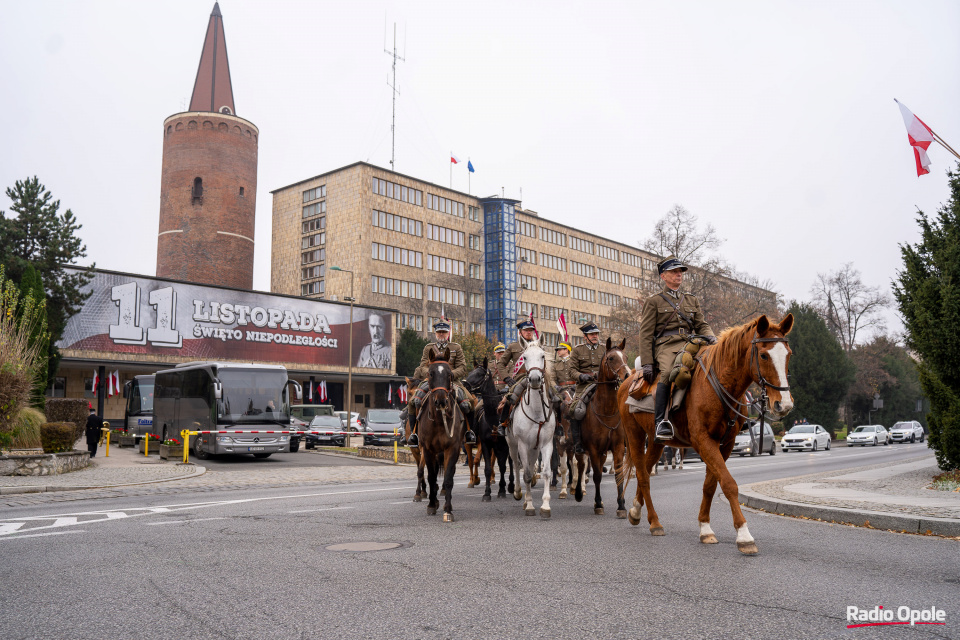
499 372
583 359
563 372
509 360
658 317
94 424
458 362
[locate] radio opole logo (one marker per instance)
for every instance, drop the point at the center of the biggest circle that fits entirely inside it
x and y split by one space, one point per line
878 616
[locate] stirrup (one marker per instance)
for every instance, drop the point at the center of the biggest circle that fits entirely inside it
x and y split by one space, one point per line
664 430
413 441
470 437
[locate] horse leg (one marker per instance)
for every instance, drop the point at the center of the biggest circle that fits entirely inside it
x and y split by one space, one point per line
636 439
597 463
547 453
510 486
528 456
450 468
654 450
578 478
473 465
709 489
717 461
430 461
501 461
488 472
619 464
421 485
515 468
562 464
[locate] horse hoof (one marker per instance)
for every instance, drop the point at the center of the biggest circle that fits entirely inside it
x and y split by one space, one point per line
472 484
621 513
534 483
709 538
418 498
634 519
544 513
431 511
517 495
657 531
502 494
486 498
748 548
448 517
562 495
598 511
578 498
530 512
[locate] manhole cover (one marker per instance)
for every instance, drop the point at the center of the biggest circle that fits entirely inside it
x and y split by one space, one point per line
359 547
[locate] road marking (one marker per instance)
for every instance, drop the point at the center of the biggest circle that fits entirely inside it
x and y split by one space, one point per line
403 502
181 521
40 535
321 509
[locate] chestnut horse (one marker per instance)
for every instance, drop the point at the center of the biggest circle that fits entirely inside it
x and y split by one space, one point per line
756 352
601 430
441 430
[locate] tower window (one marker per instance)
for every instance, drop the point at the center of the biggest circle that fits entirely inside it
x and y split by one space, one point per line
198 190
241 192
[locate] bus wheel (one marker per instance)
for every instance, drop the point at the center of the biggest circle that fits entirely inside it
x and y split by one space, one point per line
198 451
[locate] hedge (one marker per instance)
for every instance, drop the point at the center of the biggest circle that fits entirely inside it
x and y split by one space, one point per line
57 437
73 410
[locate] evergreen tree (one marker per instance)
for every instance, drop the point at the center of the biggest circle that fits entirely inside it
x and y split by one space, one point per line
409 351
41 236
928 296
475 345
34 302
820 372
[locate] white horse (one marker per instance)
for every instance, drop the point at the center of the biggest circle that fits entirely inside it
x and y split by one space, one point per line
532 427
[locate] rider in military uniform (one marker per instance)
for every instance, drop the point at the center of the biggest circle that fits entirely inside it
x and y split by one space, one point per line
498 371
458 365
585 363
564 377
666 318
508 360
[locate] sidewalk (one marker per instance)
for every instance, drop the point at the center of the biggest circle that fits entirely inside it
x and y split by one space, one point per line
881 496
125 467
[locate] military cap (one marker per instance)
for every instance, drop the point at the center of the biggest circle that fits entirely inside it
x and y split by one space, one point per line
563 345
525 324
669 264
441 325
590 327
500 347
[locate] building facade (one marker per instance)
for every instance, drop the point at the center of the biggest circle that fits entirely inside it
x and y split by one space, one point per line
414 245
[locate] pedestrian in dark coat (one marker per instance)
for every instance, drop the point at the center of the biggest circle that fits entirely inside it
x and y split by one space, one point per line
94 424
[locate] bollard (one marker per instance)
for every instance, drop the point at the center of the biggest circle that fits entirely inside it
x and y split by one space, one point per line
395 454
146 445
106 427
186 445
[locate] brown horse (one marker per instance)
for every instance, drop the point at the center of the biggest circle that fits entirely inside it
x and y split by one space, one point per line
601 430
441 429
412 385
756 352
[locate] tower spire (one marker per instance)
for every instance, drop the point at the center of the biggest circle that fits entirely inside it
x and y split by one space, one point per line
212 90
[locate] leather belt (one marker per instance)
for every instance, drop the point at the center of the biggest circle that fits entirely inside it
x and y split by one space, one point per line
567 384
675 332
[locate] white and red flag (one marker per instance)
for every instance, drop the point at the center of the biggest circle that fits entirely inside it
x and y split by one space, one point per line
920 137
519 364
562 327
113 383
322 390
96 383
402 394
454 159
390 393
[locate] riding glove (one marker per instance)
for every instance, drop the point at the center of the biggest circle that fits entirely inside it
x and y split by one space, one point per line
586 378
509 381
647 373
711 339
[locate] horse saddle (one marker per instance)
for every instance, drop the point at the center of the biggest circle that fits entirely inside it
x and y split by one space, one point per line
580 410
646 403
638 386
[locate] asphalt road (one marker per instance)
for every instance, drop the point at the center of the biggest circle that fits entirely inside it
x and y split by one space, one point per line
301 458
255 564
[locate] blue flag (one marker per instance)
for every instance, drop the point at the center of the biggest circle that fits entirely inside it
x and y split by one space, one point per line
470 167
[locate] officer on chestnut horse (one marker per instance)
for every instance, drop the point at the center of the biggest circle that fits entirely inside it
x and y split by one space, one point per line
584 363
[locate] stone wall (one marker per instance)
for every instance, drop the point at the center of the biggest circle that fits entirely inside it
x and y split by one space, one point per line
44 465
403 454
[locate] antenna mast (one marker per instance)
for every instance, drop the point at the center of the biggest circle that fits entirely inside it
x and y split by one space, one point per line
393 123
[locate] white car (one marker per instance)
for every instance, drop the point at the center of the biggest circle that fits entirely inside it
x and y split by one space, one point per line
872 434
907 431
805 437
354 419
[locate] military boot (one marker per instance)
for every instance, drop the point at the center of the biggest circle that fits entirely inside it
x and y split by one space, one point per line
575 432
664 426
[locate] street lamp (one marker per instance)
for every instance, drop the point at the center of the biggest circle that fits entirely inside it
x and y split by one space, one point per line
349 402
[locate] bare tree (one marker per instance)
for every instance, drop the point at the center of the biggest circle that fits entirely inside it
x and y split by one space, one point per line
847 305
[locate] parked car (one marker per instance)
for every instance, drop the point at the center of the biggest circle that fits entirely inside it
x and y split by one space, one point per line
383 427
907 431
806 437
745 443
872 434
332 424
302 414
355 420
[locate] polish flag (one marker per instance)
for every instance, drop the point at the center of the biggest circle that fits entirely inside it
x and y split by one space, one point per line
113 381
96 383
454 159
562 327
534 323
323 391
390 393
920 137
402 394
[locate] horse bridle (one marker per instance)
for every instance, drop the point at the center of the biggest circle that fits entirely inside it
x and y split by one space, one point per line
755 357
616 381
546 408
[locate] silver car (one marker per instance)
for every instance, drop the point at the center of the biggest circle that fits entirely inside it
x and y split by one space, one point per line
907 431
805 437
872 434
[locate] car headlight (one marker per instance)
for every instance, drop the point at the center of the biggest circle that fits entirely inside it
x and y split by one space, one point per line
225 439
284 438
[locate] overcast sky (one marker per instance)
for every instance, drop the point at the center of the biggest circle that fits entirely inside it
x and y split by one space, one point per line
772 121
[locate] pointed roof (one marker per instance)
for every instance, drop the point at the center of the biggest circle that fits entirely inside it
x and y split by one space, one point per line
212 89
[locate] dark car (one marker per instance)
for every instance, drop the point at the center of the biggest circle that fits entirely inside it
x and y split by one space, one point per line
383 427
330 430
748 440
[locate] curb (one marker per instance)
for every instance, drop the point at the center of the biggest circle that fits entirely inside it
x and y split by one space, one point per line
4 491
352 455
870 519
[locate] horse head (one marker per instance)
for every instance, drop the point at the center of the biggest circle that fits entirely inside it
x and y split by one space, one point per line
614 363
769 357
534 360
440 376
475 379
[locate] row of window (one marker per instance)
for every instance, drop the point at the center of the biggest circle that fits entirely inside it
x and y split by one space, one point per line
554 237
315 240
315 209
397 191
312 288
316 224
608 276
527 282
393 222
553 262
608 252
632 281
442 234
553 288
475 242
397 255
391 287
609 299
475 300
458 327
445 295
445 205
473 213
308 273
526 308
527 255
410 321
582 293
585 246
581 269
445 265
317 255
313 194
579 244
476 272
526 229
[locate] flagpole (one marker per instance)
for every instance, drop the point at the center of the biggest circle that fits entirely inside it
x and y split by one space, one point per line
945 145
451 170
468 175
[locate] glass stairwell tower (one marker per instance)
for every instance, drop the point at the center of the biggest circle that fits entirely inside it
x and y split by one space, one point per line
500 267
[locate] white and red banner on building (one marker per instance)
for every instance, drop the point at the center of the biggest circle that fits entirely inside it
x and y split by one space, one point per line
127 314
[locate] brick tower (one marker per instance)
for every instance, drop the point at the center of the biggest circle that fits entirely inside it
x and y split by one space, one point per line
208 186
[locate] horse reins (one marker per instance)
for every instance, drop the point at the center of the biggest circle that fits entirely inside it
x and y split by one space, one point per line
543 405
616 380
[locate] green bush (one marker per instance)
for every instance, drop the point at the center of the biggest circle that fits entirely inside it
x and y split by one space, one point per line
73 410
57 437
26 429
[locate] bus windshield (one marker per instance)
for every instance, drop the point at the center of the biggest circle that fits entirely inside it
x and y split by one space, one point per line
253 396
140 401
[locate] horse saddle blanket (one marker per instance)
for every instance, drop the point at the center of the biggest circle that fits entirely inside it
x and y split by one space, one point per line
580 410
646 404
